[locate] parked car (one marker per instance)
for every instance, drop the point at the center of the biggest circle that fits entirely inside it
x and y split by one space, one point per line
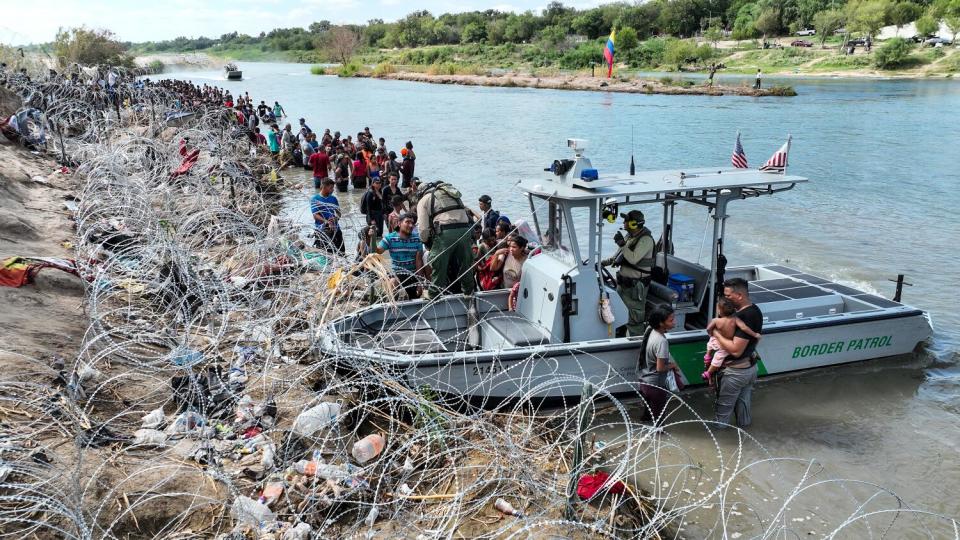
801 43
856 42
935 41
807 32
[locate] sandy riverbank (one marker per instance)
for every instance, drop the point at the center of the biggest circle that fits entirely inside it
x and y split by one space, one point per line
586 83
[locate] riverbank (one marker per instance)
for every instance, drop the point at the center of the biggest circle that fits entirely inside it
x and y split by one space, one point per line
665 85
188 393
741 58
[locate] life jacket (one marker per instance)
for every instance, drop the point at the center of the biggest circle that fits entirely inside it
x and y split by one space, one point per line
451 194
646 264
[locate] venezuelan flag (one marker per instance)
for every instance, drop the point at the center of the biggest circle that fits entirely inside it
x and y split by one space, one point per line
608 53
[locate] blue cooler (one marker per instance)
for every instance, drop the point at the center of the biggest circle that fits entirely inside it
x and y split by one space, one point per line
683 285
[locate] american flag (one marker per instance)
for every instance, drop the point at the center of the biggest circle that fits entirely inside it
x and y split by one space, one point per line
739 158
778 161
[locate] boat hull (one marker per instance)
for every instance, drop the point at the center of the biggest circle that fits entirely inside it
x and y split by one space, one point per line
560 370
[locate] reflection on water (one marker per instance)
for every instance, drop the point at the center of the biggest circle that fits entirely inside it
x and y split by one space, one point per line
882 200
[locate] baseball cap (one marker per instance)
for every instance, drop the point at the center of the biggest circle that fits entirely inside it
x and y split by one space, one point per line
634 215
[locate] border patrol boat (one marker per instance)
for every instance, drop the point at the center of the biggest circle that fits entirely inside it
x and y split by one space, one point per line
232 73
556 337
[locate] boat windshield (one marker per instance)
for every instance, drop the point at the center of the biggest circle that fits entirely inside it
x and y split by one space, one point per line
556 233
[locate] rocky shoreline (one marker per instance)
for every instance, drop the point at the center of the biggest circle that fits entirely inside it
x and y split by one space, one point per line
584 83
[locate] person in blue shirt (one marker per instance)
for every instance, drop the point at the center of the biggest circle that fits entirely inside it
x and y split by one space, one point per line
326 217
406 254
488 215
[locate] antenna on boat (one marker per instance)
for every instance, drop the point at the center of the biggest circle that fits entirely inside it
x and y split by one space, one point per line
633 168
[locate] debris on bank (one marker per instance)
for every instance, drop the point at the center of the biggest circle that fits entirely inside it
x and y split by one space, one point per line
196 404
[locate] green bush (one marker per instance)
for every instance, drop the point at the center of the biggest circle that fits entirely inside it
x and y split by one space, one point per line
384 68
349 70
156 66
892 53
582 56
782 91
318 70
679 52
649 53
445 68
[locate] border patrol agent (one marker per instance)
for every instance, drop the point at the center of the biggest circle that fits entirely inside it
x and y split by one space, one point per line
635 260
446 228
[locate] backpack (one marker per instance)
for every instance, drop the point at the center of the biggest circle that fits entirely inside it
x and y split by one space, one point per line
364 207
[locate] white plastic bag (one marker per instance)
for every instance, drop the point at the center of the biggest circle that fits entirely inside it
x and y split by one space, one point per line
672 382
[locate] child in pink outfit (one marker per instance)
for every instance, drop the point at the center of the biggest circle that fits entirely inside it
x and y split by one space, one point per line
727 323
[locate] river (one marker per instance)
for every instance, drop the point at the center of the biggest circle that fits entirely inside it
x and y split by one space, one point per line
883 197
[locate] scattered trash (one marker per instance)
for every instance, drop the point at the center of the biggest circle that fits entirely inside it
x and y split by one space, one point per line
368 447
155 419
250 512
590 484
316 418
505 507
150 437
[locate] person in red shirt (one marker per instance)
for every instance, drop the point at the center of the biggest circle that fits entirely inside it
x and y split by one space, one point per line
261 140
321 166
360 172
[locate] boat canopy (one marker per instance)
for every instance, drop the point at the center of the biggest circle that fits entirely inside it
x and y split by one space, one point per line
659 184
572 202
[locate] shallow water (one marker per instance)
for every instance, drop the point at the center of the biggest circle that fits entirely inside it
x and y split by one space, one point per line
883 163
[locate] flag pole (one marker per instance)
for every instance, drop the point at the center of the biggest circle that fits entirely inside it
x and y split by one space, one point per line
785 165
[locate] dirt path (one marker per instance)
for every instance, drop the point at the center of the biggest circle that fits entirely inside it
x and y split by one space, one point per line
45 318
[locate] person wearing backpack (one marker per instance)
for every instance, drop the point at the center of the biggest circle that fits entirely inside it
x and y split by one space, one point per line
371 205
446 227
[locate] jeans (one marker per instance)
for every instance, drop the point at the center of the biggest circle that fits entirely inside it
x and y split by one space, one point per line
735 394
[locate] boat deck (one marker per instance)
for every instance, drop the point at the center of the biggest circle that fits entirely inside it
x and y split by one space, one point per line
795 284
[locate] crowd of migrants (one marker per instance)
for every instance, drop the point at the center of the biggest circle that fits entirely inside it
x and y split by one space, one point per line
395 222
197 404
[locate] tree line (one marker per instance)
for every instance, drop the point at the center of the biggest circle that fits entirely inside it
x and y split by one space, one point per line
557 23
569 37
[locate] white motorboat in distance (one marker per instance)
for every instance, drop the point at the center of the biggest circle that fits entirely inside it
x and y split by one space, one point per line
232 73
476 348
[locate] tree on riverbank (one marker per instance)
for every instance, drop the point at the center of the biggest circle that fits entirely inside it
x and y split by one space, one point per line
342 43
89 47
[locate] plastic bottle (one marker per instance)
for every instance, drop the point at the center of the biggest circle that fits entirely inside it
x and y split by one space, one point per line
368 447
154 419
316 418
300 532
250 512
506 508
321 470
271 492
372 516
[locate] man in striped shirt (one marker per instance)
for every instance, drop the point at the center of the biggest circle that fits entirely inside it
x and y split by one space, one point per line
406 254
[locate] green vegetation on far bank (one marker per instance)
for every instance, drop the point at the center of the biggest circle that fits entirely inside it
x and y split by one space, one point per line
649 35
